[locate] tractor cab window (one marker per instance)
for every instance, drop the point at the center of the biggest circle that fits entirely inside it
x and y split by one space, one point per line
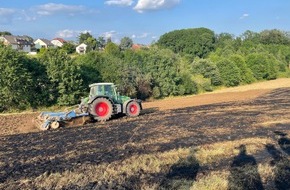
96 91
108 90
99 90
103 90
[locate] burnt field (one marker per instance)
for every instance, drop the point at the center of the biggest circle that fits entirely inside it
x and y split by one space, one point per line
228 145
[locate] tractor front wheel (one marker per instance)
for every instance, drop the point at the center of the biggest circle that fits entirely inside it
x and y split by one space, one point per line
101 109
133 109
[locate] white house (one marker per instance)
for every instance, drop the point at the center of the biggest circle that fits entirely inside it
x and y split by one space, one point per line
81 49
42 43
58 42
20 43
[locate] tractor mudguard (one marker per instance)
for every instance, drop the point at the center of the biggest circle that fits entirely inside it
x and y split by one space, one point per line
131 100
94 98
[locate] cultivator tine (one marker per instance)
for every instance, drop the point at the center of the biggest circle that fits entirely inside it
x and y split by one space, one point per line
78 121
40 124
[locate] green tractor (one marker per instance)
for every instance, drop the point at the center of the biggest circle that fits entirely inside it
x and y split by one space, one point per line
104 101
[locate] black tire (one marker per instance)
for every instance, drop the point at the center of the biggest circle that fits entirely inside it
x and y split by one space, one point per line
101 109
133 109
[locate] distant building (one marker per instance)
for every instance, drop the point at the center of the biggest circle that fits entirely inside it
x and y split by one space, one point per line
138 46
59 42
20 43
81 49
43 43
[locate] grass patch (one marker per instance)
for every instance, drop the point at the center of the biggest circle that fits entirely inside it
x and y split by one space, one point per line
216 152
159 165
214 181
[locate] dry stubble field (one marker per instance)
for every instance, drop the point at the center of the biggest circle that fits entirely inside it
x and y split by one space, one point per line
234 138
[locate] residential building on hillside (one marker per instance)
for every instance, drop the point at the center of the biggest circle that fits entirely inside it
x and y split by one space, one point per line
58 42
20 43
81 49
138 46
43 43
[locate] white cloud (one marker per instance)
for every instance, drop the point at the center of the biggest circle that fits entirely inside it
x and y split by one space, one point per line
26 16
66 33
119 2
109 34
144 35
9 15
6 12
150 5
84 31
53 8
244 16
6 15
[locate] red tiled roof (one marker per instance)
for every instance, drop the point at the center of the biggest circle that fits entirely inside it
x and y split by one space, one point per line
136 46
60 39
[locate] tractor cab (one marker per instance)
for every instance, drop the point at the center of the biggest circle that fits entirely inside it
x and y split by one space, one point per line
103 89
108 90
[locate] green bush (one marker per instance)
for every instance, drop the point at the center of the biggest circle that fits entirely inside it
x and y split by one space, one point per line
246 74
230 73
202 84
15 80
64 77
207 69
262 66
156 92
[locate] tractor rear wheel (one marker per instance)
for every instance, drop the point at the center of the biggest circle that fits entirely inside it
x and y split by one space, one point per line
133 109
101 109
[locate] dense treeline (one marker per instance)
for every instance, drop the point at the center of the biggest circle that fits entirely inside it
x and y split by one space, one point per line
182 62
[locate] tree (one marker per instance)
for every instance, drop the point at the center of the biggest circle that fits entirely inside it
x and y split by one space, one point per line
113 49
39 90
126 43
90 72
64 76
262 66
109 40
196 42
91 44
162 66
251 36
230 73
101 43
69 48
5 33
223 39
246 74
274 37
208 70
84 36
15 80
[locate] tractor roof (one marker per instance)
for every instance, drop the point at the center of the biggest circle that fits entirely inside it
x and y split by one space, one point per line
101 84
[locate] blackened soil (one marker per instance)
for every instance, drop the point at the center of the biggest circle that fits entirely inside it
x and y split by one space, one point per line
29 155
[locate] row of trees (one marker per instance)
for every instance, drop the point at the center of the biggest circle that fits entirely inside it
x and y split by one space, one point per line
95 44
181 62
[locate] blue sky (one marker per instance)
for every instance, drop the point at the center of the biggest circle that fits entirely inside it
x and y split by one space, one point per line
143 21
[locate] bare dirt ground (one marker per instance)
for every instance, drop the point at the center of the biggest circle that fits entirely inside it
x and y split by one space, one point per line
22 123
132 153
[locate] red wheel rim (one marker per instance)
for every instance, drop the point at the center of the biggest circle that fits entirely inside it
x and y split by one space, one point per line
102 109
133 109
